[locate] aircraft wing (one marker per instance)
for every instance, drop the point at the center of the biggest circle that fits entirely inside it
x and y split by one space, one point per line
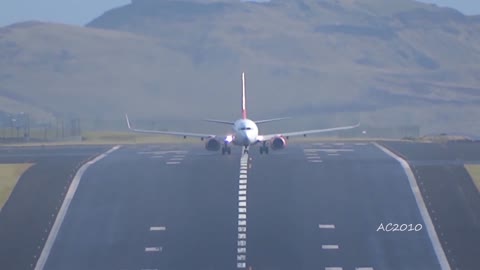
173 133
219 121
307 132
271 120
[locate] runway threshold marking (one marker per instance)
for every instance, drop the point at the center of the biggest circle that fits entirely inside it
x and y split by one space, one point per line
64 208
242 214
432 233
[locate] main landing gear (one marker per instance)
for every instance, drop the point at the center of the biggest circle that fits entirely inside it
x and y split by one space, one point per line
226 149
264 149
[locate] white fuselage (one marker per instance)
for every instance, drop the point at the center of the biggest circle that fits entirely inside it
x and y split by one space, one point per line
245 132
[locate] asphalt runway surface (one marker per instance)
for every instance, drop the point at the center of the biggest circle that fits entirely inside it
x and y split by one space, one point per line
452 198
26 218
310 206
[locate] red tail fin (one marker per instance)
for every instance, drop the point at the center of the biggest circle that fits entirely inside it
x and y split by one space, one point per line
244 109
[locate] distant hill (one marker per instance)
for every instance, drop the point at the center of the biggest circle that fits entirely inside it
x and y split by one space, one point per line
397 62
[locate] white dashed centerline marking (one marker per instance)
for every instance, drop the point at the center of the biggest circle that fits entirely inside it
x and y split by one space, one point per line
330 247
242 214
173 163
333 268
363 268
153 249
326 226
160 228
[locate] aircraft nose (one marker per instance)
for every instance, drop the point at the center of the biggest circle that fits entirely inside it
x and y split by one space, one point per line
248 138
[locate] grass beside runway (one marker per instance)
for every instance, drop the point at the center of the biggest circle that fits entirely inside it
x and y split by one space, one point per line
112 138
474 171
9 175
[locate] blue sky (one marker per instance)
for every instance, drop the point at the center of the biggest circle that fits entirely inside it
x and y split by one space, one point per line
80 12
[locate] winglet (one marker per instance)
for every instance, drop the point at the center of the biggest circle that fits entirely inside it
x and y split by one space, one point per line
128 122
244 109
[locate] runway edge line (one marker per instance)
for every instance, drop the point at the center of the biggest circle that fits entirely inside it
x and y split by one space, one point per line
42 260
432 233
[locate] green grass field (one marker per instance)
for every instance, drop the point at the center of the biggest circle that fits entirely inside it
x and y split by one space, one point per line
112 137
474 171
9 175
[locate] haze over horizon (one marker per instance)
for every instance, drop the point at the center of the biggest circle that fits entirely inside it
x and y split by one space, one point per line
79 12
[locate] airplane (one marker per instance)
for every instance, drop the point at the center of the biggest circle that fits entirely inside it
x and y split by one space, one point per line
245 133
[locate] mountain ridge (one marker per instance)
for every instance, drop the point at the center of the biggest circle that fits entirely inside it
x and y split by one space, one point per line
406 62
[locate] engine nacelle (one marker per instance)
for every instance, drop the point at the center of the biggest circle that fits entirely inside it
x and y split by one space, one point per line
212 145
278 143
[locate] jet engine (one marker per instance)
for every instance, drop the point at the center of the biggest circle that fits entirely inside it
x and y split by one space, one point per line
278 143
212 145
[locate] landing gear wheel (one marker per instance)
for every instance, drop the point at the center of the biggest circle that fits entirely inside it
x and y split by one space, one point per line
261 150
266 150
229 150
223 151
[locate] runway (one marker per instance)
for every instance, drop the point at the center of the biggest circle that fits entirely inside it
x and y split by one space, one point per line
452 198
310 206
28 215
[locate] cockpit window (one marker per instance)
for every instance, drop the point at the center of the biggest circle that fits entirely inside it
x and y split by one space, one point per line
245 128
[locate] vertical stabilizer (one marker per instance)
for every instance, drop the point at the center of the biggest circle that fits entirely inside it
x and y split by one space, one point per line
244 109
